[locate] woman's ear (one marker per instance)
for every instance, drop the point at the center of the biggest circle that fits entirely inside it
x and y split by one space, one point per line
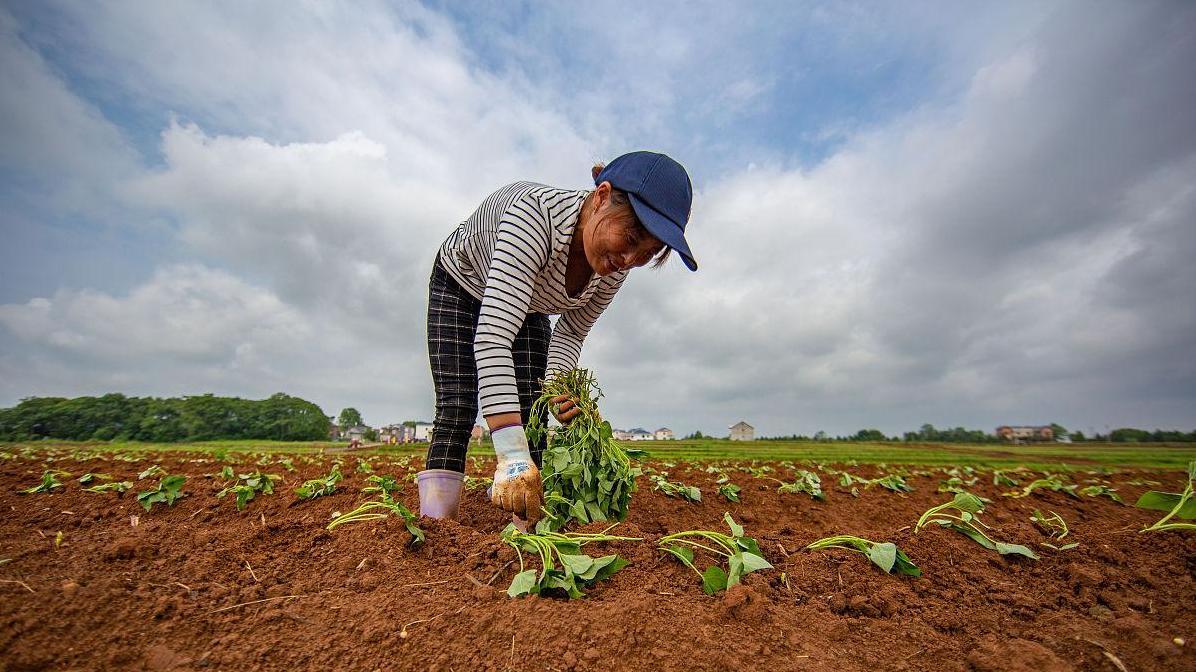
602 193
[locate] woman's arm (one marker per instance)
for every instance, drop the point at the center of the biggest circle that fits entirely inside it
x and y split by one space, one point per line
574 325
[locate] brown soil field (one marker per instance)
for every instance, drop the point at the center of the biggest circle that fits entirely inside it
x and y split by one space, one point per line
201 586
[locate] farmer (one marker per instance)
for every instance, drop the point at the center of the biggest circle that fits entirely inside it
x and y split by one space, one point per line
527 252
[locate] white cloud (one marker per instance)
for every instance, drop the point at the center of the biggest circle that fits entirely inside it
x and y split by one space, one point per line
1015 253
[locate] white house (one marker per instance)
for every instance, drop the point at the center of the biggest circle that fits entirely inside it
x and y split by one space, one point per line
664 434
356 432
621 435
641 434
423 431
741 431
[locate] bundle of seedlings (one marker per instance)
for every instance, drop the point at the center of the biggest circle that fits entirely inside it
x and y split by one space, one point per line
563 566
1177 505
742 554
960 514
587 475
885 555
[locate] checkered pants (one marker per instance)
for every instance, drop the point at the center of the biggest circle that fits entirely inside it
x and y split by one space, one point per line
452 323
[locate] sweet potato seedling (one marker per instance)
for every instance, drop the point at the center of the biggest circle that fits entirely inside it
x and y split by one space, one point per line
1052 482
153 471
742 554
804 481
587 475
384 506
564 566
894 482
1003 478
249 486
966 507
89 477
1053 526
169 490
119 487
48 483
1177 505
1102 491
885 555
729 491
380 484
319 487
478 482
676 488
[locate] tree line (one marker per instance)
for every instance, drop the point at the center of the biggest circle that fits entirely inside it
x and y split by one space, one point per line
194 418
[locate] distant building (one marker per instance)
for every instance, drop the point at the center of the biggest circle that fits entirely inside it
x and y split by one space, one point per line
1025 433
423 431
356 432
664 434
621 435
400 433
741 431
334 432
641 434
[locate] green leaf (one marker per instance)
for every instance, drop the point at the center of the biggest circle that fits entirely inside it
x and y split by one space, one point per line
905 565
577 564
1166 501
736 528
714 579
523 583
606 566
753 562
883 555
1014 549
965 501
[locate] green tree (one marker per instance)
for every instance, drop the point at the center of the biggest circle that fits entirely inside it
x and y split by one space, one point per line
869 435
349 417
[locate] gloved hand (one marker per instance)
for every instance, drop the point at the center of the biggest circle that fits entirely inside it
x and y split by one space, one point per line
564 408
517 487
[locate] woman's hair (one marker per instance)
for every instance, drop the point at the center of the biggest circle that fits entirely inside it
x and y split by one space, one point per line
620 201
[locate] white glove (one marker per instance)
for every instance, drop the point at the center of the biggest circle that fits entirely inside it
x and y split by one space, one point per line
517 487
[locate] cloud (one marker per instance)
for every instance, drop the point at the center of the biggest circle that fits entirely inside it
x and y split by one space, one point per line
1011 257
1007 244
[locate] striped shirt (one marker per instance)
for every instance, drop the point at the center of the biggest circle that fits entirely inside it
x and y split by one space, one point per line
511 255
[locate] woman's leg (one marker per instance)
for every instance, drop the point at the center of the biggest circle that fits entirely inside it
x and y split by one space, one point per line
452 323
530 351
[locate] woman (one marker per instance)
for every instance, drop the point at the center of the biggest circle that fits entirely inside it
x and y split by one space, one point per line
527 252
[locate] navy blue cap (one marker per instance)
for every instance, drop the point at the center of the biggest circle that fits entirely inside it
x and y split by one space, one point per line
660 193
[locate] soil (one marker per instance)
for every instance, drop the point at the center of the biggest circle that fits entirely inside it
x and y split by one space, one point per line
201 586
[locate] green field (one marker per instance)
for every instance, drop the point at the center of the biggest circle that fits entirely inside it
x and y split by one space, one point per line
1160 455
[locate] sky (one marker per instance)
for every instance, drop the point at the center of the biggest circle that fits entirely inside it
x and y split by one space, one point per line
964 214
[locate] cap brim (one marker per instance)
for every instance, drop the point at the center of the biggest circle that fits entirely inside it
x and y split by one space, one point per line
663 228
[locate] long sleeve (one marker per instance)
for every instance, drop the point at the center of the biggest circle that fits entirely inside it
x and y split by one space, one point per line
574 325
521 251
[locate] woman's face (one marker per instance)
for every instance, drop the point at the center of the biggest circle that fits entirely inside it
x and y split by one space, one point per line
613 241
